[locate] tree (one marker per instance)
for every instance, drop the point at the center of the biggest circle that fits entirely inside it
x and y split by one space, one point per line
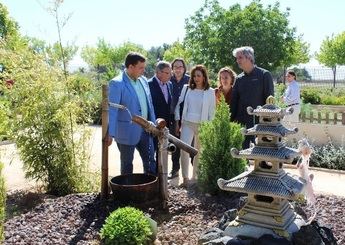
213 32
8 27
332 52
52 53
298 53
217 137
108 60
177 50
61 53
9 30
154 55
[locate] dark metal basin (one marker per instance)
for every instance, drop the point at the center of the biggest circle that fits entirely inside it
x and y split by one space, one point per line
136 188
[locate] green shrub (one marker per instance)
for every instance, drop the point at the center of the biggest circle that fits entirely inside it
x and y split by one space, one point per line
279 90
332 100
88 93
323 96
126 226
2 203
52 146
217 138
4 120
328 156
311 95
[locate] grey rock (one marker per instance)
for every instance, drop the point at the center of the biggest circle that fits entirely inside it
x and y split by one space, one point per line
325 233
228 216
219 241
270 240
212 234
307 235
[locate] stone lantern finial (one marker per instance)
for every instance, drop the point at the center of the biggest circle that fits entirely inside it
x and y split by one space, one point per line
270 100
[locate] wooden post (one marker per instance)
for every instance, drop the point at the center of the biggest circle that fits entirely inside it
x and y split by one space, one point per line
303 116
319 117
335 118
105 118
343 118
162 163
327 117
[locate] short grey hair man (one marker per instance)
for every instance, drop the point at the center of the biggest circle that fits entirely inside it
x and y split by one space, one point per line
247 51
161 65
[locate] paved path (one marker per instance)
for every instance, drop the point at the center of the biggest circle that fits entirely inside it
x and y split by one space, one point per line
326 182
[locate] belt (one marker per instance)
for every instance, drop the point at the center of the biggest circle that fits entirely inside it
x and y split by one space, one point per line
294 104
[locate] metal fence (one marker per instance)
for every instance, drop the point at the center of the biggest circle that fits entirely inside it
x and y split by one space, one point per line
317 76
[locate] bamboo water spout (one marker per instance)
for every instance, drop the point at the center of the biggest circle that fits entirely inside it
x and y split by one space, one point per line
160 130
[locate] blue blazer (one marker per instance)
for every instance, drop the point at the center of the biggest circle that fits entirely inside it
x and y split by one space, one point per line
121 127
161 107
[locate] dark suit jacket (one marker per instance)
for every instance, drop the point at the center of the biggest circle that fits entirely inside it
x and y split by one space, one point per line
161 107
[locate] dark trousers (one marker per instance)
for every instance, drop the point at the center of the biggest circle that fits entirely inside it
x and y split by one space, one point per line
249 138
146 151
175 156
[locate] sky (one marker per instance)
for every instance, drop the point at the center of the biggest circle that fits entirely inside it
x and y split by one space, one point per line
152 22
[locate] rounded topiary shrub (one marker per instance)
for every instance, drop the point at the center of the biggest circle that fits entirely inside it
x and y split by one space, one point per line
126 225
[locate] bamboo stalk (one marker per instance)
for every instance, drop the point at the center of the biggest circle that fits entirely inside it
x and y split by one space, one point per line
105 135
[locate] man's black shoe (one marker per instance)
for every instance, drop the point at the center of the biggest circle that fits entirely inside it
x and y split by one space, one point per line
173 174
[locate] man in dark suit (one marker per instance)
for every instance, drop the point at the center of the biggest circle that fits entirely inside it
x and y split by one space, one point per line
160 88
251 88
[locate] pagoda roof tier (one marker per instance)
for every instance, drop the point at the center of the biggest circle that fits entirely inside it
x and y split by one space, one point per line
276 130
271 154
269 110
283 186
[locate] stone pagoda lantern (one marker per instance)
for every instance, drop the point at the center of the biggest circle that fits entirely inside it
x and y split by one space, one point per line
269 187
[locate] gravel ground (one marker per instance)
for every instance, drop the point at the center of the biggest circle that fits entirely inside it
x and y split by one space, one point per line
77 218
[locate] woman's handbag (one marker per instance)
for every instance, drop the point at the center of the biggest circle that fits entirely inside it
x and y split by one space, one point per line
182 103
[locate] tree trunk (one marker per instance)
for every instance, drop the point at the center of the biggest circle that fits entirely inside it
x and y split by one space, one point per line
334 69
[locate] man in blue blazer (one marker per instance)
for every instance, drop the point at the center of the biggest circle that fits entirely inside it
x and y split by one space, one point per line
160 88
131 90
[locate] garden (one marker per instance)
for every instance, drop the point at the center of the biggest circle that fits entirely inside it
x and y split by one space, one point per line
46 111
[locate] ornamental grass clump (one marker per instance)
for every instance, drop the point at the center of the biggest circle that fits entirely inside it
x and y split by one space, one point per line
126 225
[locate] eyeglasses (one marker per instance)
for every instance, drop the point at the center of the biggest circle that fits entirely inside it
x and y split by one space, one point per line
178 67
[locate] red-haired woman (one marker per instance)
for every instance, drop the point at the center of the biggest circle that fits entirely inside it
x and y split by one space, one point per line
226 78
